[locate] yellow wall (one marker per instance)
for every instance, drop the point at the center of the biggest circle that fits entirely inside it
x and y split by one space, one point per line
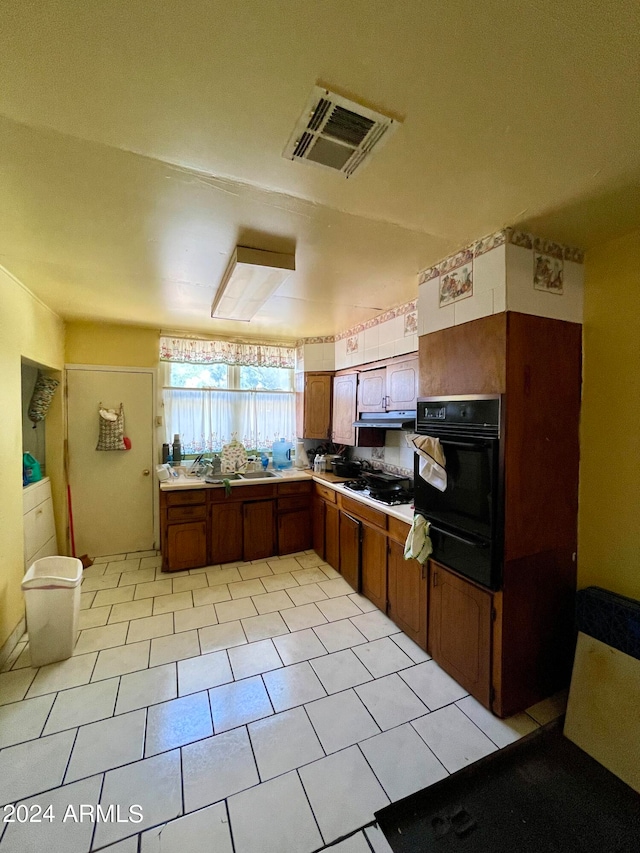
110 344
609 514
31 330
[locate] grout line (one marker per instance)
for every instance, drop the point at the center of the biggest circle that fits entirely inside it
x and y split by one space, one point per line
226 807
95 826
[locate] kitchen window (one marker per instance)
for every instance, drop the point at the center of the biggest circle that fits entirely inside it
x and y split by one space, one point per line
208 402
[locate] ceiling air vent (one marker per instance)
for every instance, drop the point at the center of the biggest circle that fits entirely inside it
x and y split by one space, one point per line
336 133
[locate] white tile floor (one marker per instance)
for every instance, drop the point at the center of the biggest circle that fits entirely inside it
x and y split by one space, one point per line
260 707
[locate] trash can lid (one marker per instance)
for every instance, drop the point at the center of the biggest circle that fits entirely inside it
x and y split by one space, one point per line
53 573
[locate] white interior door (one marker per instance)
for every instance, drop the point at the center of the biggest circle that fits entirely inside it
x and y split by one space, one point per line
112 492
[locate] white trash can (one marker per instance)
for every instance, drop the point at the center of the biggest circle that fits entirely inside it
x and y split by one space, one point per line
51 589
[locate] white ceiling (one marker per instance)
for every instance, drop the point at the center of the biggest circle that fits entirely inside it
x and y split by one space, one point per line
140 141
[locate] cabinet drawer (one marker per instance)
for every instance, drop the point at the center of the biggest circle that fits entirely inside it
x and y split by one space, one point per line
398 530
366 512
191 496
294 502
300 488
242 493
187 513
326 493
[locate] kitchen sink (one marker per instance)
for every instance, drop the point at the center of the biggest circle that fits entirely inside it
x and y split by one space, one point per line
220 478
258 475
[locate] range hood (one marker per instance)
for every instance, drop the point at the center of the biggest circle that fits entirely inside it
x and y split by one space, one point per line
387 420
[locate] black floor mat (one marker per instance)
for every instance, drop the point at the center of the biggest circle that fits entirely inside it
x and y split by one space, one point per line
541 795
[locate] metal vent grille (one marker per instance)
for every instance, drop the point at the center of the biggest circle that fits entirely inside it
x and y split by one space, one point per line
336 133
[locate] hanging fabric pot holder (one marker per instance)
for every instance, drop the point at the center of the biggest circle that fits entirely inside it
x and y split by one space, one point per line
43 392
111 429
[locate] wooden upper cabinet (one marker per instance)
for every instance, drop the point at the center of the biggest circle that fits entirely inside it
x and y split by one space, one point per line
313 405
390 388
372 390
402 385
344 408
465 359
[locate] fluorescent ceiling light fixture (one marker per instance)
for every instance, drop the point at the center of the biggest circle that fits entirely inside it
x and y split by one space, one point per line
251 277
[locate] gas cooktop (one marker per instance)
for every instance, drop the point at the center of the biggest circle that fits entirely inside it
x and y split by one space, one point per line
387 496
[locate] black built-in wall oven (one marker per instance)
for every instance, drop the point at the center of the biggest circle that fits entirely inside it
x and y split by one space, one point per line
467 519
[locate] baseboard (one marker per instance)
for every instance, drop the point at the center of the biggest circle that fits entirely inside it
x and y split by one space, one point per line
12 641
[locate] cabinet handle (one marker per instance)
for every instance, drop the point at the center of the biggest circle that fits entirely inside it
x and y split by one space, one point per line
435 579
424 571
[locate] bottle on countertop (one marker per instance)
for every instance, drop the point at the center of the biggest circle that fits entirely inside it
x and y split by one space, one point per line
319 464
165 453
177 448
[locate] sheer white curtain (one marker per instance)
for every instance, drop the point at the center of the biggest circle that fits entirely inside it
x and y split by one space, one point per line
207 419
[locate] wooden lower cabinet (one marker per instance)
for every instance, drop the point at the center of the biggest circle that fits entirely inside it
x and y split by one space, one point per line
460 629
332 535
407 593
259 529
317 525
227 532
294 531
186 545
200 527
374 565
350 550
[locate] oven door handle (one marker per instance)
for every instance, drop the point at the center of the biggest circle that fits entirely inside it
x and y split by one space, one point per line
477 543
472 445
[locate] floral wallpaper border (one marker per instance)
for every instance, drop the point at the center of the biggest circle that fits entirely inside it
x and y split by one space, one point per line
492 241
410 325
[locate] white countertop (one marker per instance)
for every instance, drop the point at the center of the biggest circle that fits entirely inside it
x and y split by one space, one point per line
404 512
186 482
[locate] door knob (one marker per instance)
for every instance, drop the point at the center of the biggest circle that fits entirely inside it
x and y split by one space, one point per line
146 472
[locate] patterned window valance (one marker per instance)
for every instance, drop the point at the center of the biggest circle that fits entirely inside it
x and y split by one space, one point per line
225 352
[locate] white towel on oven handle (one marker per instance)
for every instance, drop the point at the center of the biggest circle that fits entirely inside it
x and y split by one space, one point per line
432 459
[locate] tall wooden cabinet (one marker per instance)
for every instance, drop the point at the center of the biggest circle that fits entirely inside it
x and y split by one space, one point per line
535 364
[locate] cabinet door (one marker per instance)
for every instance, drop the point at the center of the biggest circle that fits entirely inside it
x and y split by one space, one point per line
294 531
186 545
332 535
460 631
374 566
318 521
372 390
402 385
344 409
350 550
226 532
259 530
317 406
407 594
